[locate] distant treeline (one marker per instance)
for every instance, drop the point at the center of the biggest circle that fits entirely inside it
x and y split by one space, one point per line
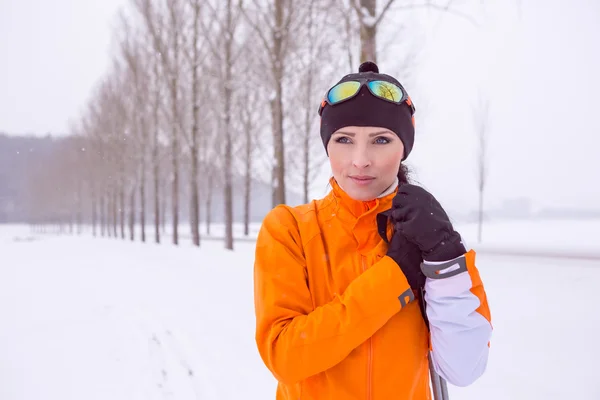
32 188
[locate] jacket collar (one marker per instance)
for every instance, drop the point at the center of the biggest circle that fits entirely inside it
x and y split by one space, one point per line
361 216
360 208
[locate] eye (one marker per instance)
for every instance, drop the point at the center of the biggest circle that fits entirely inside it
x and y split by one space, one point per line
382 140
342 139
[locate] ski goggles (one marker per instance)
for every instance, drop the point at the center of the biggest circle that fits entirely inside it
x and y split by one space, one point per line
384 90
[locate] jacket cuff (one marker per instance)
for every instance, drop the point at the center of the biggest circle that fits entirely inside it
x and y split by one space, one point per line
444 269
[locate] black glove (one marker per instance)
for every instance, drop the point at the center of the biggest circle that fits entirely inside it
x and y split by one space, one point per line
408 257
418 216
406 254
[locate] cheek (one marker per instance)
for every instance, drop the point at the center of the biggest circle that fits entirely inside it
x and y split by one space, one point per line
393 156
336 159
390 162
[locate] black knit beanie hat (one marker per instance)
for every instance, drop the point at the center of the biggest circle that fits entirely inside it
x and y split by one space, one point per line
365 109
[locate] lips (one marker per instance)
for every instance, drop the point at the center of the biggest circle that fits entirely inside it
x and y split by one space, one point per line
361 179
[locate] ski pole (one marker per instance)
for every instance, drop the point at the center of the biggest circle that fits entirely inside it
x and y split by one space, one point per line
438 384
440 390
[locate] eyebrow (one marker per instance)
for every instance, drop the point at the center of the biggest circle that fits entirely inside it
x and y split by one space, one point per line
352 134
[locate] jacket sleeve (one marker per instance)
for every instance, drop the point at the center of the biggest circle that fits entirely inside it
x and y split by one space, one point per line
295 339
459 319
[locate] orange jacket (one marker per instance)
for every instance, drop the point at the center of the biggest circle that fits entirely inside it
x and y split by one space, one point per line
329 321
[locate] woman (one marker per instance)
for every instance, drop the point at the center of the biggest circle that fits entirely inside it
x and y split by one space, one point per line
337 300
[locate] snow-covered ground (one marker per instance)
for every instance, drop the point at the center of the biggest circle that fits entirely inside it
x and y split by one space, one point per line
86 318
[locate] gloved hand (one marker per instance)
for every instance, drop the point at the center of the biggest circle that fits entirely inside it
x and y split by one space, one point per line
419 217
408 257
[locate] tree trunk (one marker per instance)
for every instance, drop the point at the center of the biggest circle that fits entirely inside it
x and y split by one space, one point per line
480 227
307 135
278 142
143 136
163 214
209 202
481 115
274 201
122 210
79 216
195 201
155 160
115 212
143 206
175 189
368 32
102 216
156 188
175 128
132 214
248 182
94 215
308 116
109 214
228 145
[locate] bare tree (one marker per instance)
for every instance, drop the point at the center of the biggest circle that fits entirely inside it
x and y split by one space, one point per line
193 142
248 121
368 20
370 16
104 119
118 121
132 53
167 40
78 172
228 86
90 162
208 155
311 76
275 24
481 119
226 54
155 98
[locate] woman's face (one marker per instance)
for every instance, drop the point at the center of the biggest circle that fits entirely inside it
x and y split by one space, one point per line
365 160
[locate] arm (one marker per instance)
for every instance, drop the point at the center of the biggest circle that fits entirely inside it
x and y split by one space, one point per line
457 309
459 319
296 340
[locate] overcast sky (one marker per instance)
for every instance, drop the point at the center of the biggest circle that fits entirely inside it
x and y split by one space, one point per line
539 64
541 70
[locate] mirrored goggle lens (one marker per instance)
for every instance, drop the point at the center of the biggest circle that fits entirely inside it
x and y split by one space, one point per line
343 91
386 90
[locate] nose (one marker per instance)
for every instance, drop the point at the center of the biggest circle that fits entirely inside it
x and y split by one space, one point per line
361 158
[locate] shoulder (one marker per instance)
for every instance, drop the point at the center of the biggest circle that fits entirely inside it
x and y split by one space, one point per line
294 222
280 218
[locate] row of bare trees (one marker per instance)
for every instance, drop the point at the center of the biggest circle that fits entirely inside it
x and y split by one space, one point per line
202 94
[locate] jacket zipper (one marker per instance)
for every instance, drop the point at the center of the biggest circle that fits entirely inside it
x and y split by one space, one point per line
369 350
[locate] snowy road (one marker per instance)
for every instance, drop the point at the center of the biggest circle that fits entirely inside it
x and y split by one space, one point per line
87 318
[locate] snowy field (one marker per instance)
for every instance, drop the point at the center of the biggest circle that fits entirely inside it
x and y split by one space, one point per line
86 318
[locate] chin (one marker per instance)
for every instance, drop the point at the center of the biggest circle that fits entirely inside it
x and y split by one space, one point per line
362 194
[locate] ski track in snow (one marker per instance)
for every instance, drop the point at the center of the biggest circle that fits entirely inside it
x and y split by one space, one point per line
172 370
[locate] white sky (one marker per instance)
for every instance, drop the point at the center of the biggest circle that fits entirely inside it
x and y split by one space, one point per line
52 52
540 68
542 73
